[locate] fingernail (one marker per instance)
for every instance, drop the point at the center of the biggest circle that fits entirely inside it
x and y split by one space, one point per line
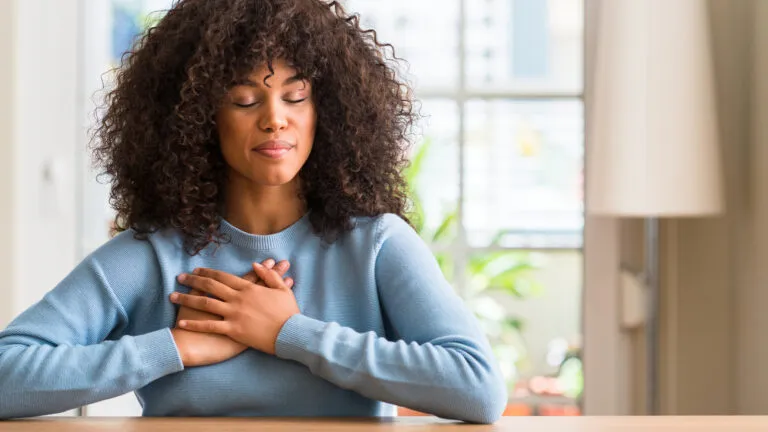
181 277
269 263
258 265
182 323
196 271
174 296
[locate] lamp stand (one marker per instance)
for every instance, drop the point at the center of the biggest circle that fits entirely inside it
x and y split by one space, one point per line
652 315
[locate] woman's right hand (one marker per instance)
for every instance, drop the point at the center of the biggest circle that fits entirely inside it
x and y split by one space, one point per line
200 349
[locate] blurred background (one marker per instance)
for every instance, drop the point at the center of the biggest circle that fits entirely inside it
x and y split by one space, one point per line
498 178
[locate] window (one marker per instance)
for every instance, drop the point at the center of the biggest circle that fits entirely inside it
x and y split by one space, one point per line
498 172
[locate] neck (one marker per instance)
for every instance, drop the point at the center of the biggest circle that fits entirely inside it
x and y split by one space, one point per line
262 210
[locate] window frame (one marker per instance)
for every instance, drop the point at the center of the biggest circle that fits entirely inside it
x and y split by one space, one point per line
460 95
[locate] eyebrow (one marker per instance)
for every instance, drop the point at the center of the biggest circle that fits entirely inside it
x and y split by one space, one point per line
290 80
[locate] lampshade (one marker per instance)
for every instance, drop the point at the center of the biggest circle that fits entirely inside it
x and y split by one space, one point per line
652 146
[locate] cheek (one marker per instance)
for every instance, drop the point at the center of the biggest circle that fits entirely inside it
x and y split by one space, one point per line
231 132
224 128
229 137
310 125
310 134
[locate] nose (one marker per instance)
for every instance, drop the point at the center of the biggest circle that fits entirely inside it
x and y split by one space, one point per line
273 119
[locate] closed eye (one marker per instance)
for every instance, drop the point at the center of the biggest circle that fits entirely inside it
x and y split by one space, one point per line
290 101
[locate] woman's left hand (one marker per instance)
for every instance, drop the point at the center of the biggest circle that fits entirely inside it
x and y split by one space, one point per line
253 314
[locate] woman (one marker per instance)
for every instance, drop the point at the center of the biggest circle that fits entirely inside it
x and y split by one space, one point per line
240 132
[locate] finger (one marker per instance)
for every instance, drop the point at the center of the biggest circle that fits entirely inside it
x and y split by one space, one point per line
268 263
202 303
270 277
289 283
205 326
282 267
252 278
228 279
208 285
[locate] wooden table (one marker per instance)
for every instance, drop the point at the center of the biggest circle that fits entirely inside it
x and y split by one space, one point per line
420 424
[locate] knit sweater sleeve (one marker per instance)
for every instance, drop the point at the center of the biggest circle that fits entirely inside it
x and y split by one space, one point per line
438 361
56 355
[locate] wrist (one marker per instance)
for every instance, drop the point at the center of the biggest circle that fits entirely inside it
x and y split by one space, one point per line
279 329
300 335
176 333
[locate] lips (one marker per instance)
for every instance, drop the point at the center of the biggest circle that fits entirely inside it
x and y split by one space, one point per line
273 149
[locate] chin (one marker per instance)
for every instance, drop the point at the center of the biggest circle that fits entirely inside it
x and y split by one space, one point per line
277 180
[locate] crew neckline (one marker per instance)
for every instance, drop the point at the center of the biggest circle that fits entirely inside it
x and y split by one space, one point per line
265 241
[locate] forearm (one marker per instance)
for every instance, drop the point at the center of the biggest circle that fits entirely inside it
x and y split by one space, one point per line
450 376
38 378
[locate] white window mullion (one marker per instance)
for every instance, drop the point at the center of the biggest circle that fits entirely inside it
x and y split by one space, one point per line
492 93
460 249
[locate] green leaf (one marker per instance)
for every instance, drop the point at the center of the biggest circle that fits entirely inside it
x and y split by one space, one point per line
497 238
446 227
411 174
413 170
445 261
514 323
477 263
494 264
519 287
416 213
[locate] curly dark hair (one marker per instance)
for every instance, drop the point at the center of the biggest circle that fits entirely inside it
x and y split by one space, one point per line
157 139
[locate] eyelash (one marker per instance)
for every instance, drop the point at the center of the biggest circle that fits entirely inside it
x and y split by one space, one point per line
293 102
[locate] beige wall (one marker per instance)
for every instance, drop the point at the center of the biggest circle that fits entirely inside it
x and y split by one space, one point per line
631 254
714 326
713 299
752 298
606 349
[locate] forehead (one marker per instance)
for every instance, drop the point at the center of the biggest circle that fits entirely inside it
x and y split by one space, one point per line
279 67
281 74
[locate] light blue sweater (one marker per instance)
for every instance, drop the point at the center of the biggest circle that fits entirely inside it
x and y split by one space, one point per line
379 325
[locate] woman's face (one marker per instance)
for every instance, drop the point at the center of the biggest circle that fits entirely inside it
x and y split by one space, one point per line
266 131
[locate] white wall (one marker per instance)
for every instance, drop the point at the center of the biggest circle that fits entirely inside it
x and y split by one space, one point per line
7 140
39 100
47 119
38 135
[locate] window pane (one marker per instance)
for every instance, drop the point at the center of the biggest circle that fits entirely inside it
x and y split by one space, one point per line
130 18
434 170
524 170
529 304
423 32
525 45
